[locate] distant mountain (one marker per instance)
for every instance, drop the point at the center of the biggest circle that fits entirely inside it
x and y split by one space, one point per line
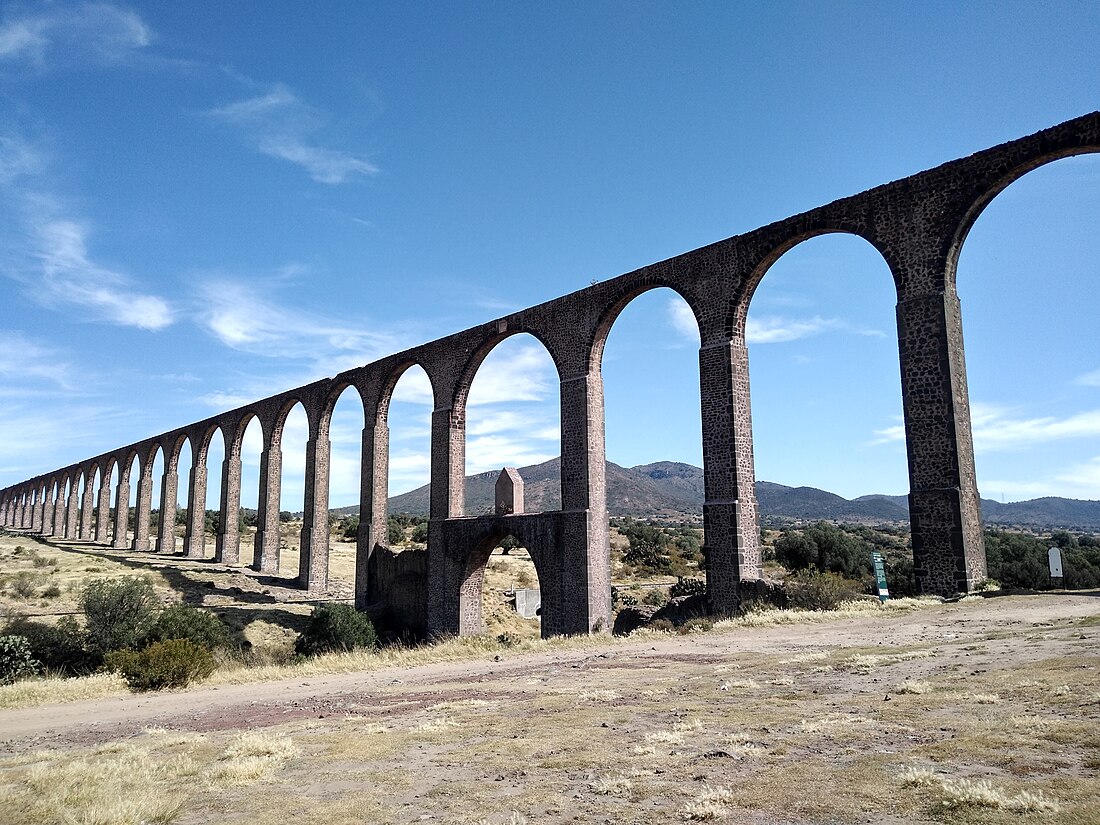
672 489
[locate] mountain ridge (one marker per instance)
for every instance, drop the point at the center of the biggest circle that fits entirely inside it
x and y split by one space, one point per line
672 489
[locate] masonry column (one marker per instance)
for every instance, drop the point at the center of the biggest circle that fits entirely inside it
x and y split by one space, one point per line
730 528
143 507
313 567
169 502
948 545
122 511
228 547
37 512
103 510
585 578
87 508
265 556
373 484
57 522
448 493
194 538
72 509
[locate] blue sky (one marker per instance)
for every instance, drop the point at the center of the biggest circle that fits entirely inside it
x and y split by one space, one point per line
202 204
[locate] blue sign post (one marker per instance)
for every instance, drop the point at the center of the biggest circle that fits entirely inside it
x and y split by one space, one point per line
880 575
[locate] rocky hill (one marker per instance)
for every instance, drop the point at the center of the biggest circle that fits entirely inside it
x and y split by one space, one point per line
672 489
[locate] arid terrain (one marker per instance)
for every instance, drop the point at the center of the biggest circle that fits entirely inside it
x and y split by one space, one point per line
984 710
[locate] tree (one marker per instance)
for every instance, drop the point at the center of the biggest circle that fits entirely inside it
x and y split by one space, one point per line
118 613
395 533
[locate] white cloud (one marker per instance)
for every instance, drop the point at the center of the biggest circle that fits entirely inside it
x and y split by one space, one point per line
101 32
238 316
34 361
71 277
525 373
683 319
413 388
279 125
773 329
18 159
996 428
1089 379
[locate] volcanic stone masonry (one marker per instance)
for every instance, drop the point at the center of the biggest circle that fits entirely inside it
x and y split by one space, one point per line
918 225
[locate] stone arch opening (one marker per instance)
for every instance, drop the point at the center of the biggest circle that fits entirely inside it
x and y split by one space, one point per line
345 423
500 592
184 461
822 337
250 447
513 419
405 413
293 429
650 368
1026 269
129 470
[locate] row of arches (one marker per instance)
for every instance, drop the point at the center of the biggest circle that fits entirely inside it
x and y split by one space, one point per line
917 226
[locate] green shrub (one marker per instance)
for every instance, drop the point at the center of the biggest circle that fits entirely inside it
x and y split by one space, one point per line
655 597
181 621
167 664
51 592
59 647
420 533
687 587
395 533
335 627
119 612
808 590
16 660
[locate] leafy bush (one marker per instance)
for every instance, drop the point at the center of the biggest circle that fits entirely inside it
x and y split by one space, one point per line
395 533
348 527
181 621
420 533
687 587
59 648
825 547
118 612
16 660
808 590
655 597
51 592
167 664
335 627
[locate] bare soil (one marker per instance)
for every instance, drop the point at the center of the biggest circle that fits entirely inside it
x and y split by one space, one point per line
802 723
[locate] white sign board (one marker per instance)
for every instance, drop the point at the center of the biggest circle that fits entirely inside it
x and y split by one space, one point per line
1055 556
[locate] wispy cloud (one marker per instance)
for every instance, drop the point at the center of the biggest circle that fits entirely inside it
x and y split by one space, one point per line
69 276
524 373
100 32
1000 429
48 251
1075 481
34 361
774 329
241 317
281 126
683 319
18 159
1089 379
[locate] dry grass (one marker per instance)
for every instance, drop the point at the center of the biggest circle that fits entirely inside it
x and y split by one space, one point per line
38 691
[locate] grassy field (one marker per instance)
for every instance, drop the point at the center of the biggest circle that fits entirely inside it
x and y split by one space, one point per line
984 711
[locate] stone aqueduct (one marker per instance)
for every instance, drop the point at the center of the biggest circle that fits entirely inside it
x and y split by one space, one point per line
917 224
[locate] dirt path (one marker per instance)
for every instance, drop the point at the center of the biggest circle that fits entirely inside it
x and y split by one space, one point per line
269 703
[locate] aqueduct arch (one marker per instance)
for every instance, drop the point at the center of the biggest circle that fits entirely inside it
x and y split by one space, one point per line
917 224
